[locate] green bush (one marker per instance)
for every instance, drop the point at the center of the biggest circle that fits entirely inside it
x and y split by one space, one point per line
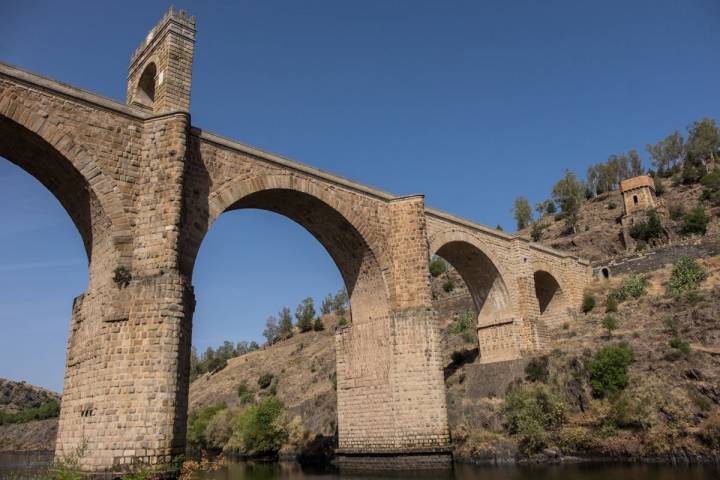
465 325
610 324
448 286
246 395
588 303
50 409
121 277
711 181
537 230
649 229
631 287
437 267
695 222
318 325
260 429
677 211
686 276
198 421
611 304
681 346
608 369
342 322
612 206
537 369
265 380
531 413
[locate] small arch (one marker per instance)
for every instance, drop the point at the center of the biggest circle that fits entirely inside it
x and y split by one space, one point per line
145 91
497 336
550 297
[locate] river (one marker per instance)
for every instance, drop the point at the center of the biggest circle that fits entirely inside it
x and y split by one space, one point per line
21 466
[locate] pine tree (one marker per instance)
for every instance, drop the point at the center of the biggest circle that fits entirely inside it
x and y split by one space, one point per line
305 313
285 326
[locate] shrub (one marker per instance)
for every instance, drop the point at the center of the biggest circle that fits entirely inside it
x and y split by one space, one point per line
246 395
686 275
659 186
265 380
537 230
448 286
342 322
537 369
198 421
219 428
530 413
610 324
437 267
318 325
608 369
121 277
676 210
612 206
631 287
711 180
649 229
260 429
50 409
465 325
695 222
576 440
628 411
588 303
709 432
681 346
611 304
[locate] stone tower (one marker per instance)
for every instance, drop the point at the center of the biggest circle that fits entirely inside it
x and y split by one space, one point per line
160 70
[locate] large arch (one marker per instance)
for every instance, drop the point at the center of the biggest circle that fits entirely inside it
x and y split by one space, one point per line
58 165
474 261
552 301
327 219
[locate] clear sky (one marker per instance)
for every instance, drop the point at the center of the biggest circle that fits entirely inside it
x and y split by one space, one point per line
470 103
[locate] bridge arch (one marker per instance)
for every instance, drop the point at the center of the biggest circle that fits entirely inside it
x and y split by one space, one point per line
331 221
552 300
484 276
31 140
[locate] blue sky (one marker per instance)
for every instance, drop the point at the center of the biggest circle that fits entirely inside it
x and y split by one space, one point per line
470 103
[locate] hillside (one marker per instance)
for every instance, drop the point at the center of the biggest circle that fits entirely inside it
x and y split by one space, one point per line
678 394
17 397
598 234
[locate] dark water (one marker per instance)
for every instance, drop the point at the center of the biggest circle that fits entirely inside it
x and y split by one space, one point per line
20 466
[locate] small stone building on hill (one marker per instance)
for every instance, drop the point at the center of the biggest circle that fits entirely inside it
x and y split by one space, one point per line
639 197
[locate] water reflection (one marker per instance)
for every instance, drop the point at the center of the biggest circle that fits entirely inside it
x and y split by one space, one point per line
21 466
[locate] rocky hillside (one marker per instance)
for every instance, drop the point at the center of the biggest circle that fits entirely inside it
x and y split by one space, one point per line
16 397
597 234
670 408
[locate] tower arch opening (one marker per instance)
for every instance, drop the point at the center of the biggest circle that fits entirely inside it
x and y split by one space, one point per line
145 91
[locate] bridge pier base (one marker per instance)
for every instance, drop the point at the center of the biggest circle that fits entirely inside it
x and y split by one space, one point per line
429 459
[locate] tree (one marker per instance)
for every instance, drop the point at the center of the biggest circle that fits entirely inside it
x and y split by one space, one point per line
305 314
318 325
437 266
327 304
667 153
285 326
569 194
340 302
522 212
636 168
271 330
610 324
703 142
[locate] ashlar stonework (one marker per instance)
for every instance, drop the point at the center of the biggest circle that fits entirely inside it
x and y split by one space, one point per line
143 186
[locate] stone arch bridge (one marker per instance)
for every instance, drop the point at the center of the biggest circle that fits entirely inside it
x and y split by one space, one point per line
143 186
